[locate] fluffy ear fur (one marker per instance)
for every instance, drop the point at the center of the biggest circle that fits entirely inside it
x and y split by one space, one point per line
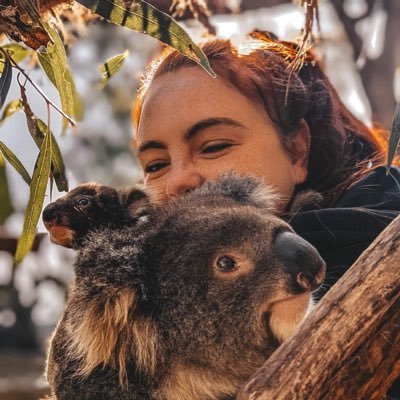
242 189
135 202
107 199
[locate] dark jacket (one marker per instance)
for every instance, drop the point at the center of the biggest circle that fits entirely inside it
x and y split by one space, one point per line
343 232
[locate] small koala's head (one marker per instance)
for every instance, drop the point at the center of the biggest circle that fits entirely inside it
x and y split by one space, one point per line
88 207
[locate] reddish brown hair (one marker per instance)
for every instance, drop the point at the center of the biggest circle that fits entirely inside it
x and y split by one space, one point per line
341 145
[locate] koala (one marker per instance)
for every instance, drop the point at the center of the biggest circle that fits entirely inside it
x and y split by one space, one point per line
89 207
186 304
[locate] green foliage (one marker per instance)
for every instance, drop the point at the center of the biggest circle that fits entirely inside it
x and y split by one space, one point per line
143 17
5 81
6 208
37 129
11 108
14 161
112 66
394 137
16 51
49 162
57 163
36 197
54 63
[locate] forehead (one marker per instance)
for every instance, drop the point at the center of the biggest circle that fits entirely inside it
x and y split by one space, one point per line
88 189
176 100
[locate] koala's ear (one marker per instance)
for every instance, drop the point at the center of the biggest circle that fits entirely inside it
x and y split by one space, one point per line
135 201
107 194
245 190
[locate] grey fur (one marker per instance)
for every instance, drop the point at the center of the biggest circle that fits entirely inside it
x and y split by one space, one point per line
187 323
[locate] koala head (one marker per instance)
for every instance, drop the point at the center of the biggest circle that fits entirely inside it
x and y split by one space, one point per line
230 279
89 207
218 281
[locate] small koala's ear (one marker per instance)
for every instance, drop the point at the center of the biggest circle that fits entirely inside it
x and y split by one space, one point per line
243 189
108 200
135 201
107 194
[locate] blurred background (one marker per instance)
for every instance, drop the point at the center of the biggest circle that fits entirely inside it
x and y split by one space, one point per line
357 46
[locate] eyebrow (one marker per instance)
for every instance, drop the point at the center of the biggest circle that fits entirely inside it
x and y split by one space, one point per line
191 132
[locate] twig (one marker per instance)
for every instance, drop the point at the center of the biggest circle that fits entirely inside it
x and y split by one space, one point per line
310 14
47 100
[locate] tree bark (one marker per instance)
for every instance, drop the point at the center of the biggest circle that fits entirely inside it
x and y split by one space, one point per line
349 347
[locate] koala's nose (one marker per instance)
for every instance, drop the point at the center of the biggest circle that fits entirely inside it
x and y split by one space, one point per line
301 260
49 212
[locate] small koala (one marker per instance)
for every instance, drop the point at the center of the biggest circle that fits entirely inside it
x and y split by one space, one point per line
185 305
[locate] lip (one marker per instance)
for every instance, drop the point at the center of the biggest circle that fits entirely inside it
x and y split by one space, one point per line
60 234
284 315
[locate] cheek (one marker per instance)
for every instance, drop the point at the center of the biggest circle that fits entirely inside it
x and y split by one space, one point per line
156 189
280 175
273 166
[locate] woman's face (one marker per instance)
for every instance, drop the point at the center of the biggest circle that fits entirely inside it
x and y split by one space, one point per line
194 128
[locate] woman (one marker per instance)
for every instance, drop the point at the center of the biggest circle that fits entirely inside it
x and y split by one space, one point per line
260 118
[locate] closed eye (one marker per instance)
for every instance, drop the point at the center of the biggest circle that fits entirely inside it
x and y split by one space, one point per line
215 148
157 166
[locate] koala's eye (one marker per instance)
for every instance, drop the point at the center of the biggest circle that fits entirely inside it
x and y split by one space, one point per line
83 202
226 264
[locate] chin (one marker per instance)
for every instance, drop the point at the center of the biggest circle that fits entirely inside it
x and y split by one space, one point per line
287 315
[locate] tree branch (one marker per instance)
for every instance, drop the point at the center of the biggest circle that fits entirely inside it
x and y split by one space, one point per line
349 346
40 91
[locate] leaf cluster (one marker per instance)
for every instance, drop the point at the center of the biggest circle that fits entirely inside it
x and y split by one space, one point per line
21 21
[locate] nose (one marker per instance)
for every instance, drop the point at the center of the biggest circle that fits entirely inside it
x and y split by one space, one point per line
49 212
182 179
301 260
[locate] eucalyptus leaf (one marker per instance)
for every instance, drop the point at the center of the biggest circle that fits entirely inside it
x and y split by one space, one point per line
11 108
31 120
6 208
145 18
5 81
15 162
37 129
57 163
112 66
37 193
54 63
394 137
16 51
78 107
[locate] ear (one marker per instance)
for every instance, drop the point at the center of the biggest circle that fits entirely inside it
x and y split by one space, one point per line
242 189
135 201
108 199
107 193
298 147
